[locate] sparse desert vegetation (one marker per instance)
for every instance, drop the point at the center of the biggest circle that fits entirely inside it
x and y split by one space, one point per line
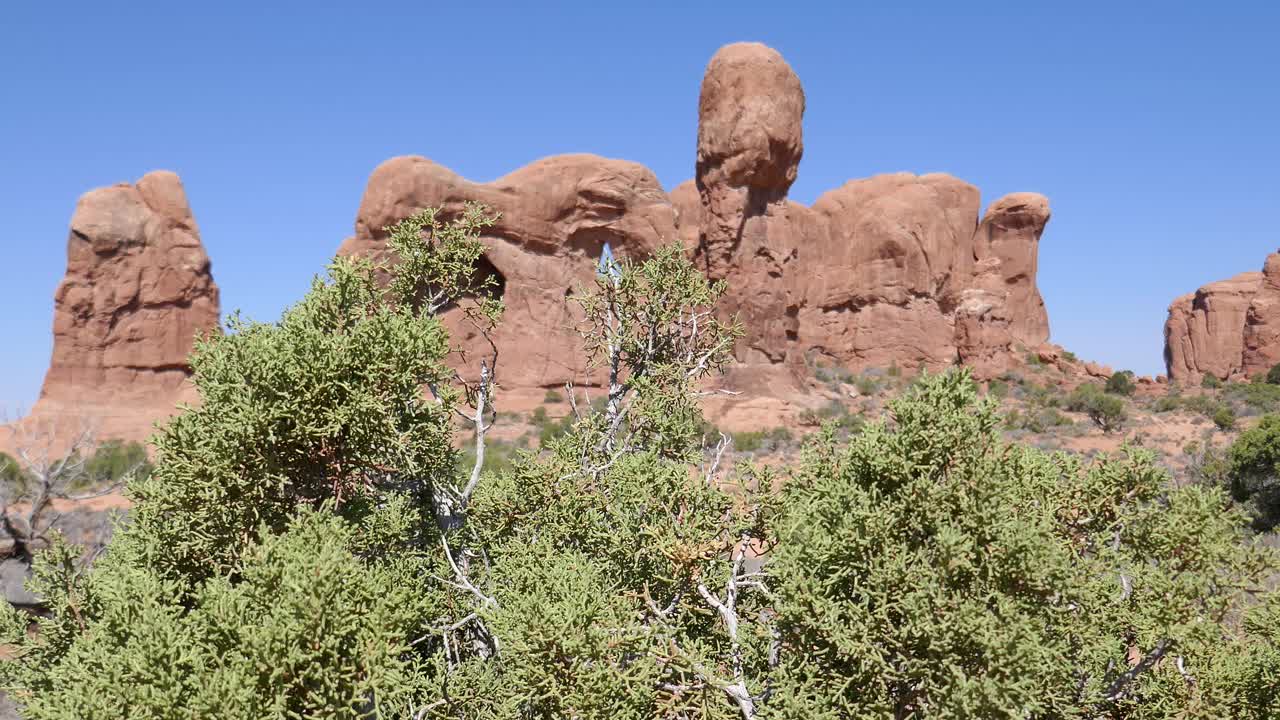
355 547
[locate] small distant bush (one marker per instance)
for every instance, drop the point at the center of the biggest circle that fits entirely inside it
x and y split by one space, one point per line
1273 375
10 471
1121 383
998 389
1205 464
539 416
115 460
1210 382
1224 417
1261 398
1036 420
1254 471
1069 356
1043 395
763 440
1105 410
552 397
835 413
1168 403
832 374
867 385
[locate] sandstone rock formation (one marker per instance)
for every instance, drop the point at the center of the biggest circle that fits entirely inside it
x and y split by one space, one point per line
555 216
1229 329
137 292
894 269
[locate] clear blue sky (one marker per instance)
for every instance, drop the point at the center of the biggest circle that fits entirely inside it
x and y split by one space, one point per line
1152 127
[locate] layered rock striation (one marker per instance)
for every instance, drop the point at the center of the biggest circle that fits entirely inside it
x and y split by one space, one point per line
138 291
1229 329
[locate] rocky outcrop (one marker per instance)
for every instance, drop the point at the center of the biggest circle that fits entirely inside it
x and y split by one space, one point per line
137 292
895 269
1262 322
1229 329
890 270
555 216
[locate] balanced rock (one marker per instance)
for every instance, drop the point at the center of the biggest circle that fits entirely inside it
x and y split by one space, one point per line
892 270
138 291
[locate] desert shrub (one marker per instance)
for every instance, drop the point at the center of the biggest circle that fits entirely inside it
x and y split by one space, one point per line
835 413
867 384
1036 420
831 374
1210 382
308 546
998 388
763 440
1273 375
1254 471
1167 403
1105 410
929 570
1043 396
1069 356
1224 418
1206 464
116 460
1256 397
1121 383
10 471
552 397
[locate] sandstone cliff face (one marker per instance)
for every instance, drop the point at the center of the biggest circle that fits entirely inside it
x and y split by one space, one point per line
1229 329
137 291
894 269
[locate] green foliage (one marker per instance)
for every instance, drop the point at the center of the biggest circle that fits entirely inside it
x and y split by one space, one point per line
998 389
831 374
1224 417
834 413
1167 403
778 438
311 544
1105 410
1121 383
1257 397
1273 375
867 385
1036 420
305 629
11 473
552 397
929 570
1210 382
1069 356
1254 473
116 460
